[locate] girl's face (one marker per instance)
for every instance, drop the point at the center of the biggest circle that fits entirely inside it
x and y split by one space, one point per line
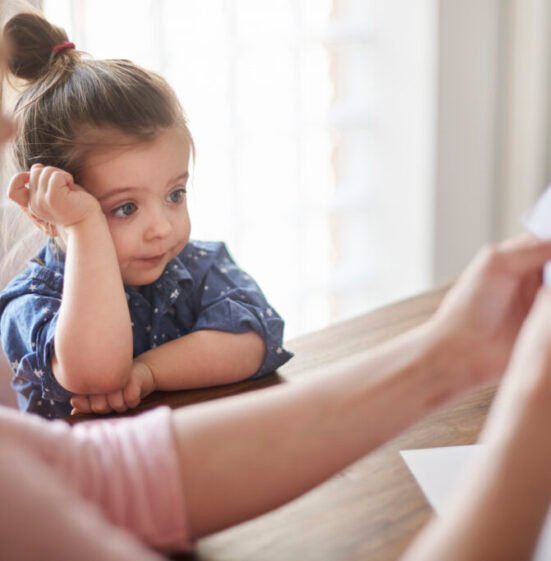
142 192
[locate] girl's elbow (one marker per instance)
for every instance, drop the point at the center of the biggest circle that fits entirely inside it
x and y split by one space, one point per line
91 378
256 353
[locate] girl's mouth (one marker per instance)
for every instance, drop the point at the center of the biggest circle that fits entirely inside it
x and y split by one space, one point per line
154 260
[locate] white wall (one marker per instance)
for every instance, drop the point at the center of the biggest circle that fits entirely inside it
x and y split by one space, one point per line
493 149
468 74
523 147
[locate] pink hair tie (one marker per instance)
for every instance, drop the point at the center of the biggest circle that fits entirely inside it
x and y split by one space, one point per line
62 46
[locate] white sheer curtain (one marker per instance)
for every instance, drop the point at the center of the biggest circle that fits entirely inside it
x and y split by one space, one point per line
312 120
494 142
524 148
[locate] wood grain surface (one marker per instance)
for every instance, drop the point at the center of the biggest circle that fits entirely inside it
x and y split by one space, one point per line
371 510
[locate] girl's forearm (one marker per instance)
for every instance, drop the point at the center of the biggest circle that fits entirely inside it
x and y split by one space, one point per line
204 358
93 339
244 448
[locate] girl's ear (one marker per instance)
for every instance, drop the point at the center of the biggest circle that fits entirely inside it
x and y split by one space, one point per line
19 194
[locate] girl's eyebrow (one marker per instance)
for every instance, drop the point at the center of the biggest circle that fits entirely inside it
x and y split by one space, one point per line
184 175
117 191
121 190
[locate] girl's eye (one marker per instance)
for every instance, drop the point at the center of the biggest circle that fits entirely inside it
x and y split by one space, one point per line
125 210
177 195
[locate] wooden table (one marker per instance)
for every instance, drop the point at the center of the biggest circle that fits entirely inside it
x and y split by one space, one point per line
370 511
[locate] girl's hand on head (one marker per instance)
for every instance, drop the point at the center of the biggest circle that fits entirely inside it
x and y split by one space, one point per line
140 384
49 196
480 317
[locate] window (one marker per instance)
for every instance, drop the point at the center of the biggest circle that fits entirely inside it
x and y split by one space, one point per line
313 123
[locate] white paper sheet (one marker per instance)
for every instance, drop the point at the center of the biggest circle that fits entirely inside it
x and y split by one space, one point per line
538 222
538 219
437 470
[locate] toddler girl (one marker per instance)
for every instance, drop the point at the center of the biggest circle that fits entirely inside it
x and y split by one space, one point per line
119 302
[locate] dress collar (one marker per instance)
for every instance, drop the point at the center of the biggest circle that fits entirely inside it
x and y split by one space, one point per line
164 292
168 286
51 256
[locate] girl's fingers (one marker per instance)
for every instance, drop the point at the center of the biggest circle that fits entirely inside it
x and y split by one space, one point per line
17 189
81 403
58 178
40 184
116 402
132 395
34 175
99 404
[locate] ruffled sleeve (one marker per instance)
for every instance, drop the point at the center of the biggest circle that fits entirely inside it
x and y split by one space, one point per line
228 299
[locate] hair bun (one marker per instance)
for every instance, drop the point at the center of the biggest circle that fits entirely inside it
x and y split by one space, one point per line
29 40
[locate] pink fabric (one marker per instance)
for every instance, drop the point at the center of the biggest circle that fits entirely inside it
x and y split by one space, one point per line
127 468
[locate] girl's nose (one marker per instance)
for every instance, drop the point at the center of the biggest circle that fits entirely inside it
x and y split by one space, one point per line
159 225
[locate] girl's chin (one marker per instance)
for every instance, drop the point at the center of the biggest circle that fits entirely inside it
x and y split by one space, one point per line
144 277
